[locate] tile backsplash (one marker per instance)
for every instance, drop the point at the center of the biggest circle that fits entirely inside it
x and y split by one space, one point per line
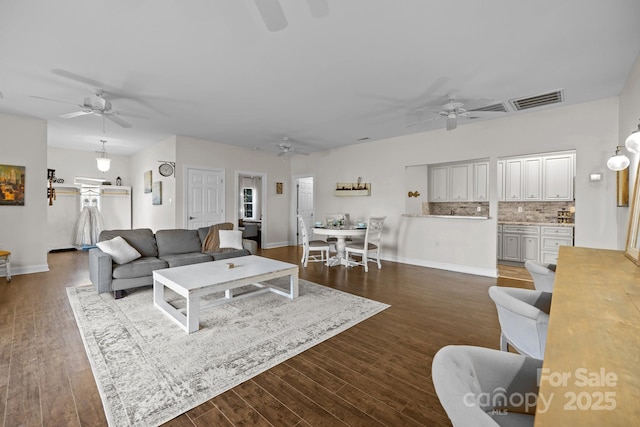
507 211
533 211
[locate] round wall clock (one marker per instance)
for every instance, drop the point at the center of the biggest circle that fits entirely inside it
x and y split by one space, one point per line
166 169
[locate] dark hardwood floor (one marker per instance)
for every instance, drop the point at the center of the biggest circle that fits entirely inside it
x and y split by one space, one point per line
376 373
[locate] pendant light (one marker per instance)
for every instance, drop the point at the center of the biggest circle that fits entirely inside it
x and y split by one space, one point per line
104 163
633 141
618 161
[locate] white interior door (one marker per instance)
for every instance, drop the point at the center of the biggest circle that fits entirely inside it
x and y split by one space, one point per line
205 197
305 204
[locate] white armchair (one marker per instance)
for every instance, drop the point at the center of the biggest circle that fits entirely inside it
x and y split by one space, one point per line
478 386
543 275
524 319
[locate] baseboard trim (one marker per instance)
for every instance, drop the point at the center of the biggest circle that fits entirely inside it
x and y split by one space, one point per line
276 245
27 269
487 272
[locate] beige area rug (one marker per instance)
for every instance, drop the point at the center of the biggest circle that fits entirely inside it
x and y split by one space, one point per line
149 371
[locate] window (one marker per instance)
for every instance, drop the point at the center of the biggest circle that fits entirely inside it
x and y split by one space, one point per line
248 202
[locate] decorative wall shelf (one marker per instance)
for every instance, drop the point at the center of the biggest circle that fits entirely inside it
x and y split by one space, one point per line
349 189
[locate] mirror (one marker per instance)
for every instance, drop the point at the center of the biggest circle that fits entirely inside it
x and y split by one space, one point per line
633 243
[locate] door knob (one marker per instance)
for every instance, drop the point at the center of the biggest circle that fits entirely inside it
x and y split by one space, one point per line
192 217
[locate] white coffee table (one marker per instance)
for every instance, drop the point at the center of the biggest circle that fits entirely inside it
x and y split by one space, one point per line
197 280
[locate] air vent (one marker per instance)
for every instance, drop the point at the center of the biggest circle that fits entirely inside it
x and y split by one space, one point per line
538 100
499 107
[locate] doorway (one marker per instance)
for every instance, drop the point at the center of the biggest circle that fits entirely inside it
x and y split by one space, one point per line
251 205
304 204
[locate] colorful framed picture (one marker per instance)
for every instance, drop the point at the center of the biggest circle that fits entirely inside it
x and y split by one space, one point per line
147 181
156 193
12 180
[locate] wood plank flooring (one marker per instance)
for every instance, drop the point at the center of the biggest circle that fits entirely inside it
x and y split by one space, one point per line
377 373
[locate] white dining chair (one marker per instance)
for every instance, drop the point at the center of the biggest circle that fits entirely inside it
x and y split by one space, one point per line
370 247
524 319
309 246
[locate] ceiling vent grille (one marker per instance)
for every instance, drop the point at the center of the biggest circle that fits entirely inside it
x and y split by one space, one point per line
499 107
538 100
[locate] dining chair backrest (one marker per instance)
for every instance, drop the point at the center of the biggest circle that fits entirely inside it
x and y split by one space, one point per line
303 231
250 230
374 230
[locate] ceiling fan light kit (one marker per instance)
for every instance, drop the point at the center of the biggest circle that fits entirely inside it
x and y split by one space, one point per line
103 162
633 141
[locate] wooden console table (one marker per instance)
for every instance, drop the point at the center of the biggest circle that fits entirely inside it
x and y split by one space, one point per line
591 370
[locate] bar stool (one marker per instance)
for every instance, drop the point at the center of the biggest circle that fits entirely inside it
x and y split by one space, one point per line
5 262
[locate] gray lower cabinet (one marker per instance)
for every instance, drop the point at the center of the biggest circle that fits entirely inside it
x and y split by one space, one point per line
520 243
552 239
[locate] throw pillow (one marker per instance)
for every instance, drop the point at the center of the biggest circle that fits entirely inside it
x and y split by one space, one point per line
230 239
121 252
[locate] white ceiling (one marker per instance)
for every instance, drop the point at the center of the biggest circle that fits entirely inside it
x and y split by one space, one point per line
212 70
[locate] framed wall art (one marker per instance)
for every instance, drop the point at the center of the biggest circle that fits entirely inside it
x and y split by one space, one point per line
12 181
147 181
156 193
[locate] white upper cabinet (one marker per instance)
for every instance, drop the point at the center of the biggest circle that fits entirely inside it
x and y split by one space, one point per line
513 180
481 181
501 180
558 177
532 179
459 185
439 184
545 177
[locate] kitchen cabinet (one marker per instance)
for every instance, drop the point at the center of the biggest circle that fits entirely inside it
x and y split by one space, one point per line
513 180
558 177
552 238
532 180
439 184
520 243
481 181
501 180
536 178
459 182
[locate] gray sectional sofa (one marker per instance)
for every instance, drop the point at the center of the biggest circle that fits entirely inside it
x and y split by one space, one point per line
165 249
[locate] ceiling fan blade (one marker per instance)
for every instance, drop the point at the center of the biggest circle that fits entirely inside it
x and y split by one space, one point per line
272 14
478 103
54 100
318 8
75 114
478 114
117 120
452 123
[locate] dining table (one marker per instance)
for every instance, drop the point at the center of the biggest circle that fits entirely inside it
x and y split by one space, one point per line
340 233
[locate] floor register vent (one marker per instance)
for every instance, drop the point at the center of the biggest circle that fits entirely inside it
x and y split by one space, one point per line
538 100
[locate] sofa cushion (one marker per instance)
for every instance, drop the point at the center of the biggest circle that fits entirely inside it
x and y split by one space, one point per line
230 239
120 251
186 259
142 239
233 253
138 268
173 242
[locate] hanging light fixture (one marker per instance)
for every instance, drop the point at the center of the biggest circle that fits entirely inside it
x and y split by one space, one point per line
618 161
104 163
633 141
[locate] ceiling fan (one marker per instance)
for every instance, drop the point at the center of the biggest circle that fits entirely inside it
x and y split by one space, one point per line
96 104
275 19
287 149
452 110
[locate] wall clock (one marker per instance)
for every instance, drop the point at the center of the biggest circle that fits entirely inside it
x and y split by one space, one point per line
166 169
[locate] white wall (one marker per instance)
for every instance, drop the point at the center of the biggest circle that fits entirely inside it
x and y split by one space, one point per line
470 245
206 154
72 163
23 229
146 214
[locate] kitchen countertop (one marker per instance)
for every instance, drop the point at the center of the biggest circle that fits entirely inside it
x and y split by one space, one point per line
553 224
